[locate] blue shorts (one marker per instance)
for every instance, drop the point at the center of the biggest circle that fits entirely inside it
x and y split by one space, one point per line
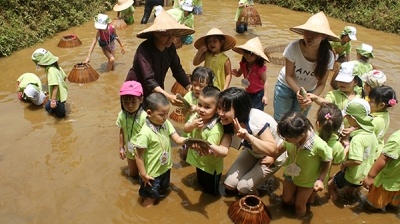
159 186
340 181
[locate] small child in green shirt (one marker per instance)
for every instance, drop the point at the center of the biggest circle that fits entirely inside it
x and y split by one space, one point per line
125 10
153 149
342 48
205 125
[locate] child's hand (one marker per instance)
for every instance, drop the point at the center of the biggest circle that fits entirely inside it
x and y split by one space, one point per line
122 153
240 132
367 182
347 131
122 49
235 72
20 95
202 49
87 60
318 185
193 108
146 180
198 123
265 100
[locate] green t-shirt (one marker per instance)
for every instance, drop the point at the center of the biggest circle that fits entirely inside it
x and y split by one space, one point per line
157 144
389 177
381 124
361 67
309 158
127 15
362 148
212 132
131 125
57 77
26 79
337 149
340 49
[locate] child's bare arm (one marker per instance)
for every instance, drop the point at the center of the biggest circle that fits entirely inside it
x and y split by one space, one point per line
121 144
317 99
177 138
379 164
92 47
319 183
228 74
264 79
120 43
200 55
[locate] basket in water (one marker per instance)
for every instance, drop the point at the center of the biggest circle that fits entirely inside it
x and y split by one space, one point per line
119 24
249 210
69 41
83 73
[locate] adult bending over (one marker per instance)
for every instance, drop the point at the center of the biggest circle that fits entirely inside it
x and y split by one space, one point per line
157 54
308 62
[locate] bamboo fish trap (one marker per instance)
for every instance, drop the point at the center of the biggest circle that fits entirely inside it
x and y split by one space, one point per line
179 114
119 24
69 41
271 51
249 210
82 73
252 16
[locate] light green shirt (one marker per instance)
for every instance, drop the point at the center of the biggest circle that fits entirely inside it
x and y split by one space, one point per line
57 77
217 64
362 148
131 124
389 177
212 132
127 15
309 159
26 79
381 124
340 49
361 67
156 142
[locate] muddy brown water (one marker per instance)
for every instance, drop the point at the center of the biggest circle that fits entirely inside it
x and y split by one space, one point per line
68 170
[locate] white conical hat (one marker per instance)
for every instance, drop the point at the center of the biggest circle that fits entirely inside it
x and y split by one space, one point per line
254 46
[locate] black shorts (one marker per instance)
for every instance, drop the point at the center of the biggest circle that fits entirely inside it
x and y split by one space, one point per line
341 182
159 186
209 182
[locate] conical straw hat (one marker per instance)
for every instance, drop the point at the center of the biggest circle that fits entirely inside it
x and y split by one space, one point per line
228 44
317 23
254 46
122 5
165 22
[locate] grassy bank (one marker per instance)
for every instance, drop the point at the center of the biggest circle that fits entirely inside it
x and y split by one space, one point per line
375 14
31 22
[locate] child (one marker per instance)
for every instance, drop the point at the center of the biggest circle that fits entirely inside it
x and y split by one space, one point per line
342 48
206 126
308 162
153 148
241 24
210 50
106 36
372 79
184 15
130 120
347 82
380 99
254 71
383 180
197 7
362 65
125 10
200 78
29 88
58 90
361 150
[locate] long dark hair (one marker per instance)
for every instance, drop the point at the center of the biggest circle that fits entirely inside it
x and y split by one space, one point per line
238 99
323 59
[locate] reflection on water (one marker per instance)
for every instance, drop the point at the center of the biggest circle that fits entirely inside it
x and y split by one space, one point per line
69 171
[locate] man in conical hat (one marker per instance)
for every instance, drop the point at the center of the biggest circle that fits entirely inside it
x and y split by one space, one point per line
157 54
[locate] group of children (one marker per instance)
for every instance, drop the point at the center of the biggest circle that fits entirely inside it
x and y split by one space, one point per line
351 122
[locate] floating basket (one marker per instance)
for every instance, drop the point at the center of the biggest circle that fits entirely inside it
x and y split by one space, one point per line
179 114
270 51
249 210
253 18
69 41
119 24
178 42
83 73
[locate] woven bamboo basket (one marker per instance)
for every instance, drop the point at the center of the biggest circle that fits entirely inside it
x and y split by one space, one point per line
178 42
179 114
82 73
273 50
249 210
69 41
253 18
119 24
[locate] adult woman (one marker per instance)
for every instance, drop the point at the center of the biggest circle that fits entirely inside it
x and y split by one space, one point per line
308 62
258 130
157 54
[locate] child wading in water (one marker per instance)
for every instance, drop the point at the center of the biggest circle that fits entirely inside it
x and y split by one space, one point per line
106 36
206 126
211 49
125 10
254 71
130 120
58 89
153 148
342 48
308 162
